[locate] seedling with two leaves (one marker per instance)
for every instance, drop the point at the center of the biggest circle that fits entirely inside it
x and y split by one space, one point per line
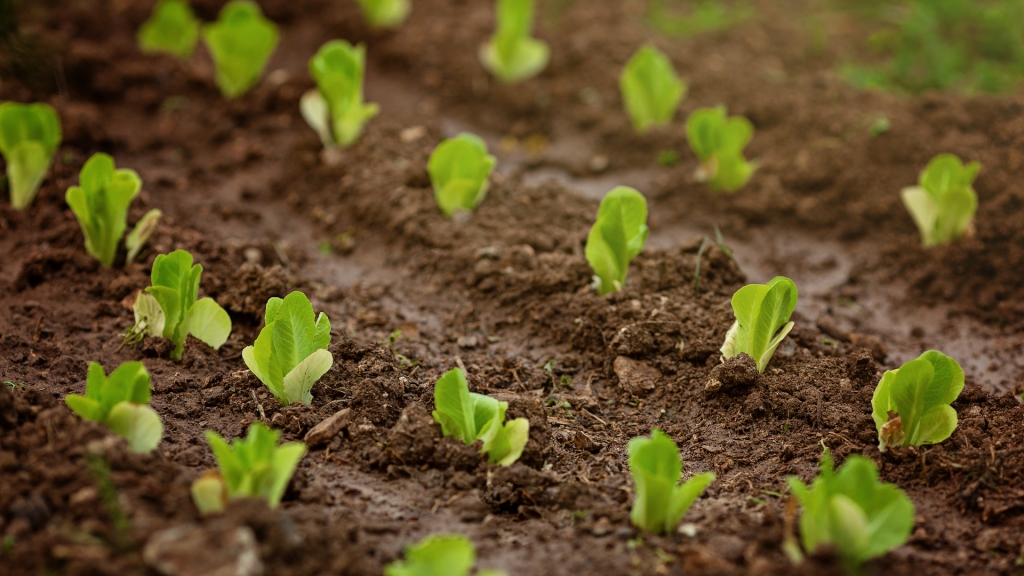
718 141
290 354
241 42
651 90
119 402
470 417
100 204
459 168
385 13
439 555
335 109
616 238
511 54
255 467
911 405
170 308
29 137
762 320
944 201
172 28
661 501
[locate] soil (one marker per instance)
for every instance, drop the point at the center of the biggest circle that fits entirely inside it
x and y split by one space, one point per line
503 293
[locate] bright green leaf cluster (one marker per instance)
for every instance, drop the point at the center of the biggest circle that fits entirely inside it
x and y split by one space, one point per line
290 354
511 54
911 405
618 235
470 417
385 13
335 110
762 320
173 28
459 168
119 402
170 308
241 41
944 202
29 137
438 555
650 88
661 501
255 467
718 141
100 203
851 510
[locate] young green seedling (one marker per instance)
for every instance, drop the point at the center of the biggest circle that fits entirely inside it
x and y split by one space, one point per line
470 417
650 88
290 354
616 238
101 203
255 467
718 141
459 168
240 41
943 203
335 109
911 405
29 137
851 510
511 54
169 308
762 320
385 13
438 555
119 402
173 28
661 501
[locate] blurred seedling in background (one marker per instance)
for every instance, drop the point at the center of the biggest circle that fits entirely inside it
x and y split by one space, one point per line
651 90
618 235
29 137
385 13
661 501
172 28
762 320
459 169
718 141
241 42
438 555
335 109
701 17
119 402
511 54
911 405
469 417
944 201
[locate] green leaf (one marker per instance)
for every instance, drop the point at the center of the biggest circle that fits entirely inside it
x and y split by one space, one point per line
256 467
209 493
119 402
651 90
317 114
136 423
241 42
718 141
338 68
29 137
149 316
944 202
470 417
459 168
618 235
207 321
518 433
454 408
144 228
661 502
920 393
385 13
300 380
100 204
172 28
438 555
511 54
762 320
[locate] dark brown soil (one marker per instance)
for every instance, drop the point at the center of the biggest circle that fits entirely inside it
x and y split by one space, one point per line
504 294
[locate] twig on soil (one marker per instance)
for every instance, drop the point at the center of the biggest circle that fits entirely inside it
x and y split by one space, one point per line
587 412
700 256
259 407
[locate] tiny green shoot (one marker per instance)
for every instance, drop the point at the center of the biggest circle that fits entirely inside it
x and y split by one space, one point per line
618 235
762 320
668 158
469 417
718 141
172 28
438 555
335 108
119 402
879 126
943 203
241 42
29 137
290 354
459 168
385 13
911 405
651 90
511 54
661 501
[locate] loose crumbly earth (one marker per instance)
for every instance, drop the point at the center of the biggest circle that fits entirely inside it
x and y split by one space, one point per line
504 293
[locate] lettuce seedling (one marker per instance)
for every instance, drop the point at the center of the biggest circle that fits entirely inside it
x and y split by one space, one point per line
240 41
762 320
29 137
385 13
169 308
173 28
335 109
511 54
459 168
101 203
470 417
616 238
661 501
255 467
851 510
119 403
650 88
438 555
943 203
290 354
911 405
718 142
